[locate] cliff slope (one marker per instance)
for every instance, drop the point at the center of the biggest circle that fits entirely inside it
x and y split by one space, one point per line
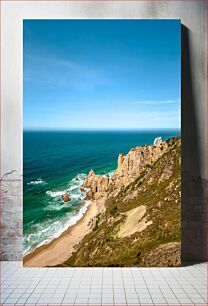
129 168
141 224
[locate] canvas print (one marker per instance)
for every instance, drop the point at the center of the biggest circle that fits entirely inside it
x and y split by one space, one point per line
102 143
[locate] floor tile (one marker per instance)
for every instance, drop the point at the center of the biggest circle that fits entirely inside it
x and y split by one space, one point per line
109 286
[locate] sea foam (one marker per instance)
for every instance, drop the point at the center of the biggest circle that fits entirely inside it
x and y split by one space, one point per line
52 231
73 188
44 232
54 194
37 182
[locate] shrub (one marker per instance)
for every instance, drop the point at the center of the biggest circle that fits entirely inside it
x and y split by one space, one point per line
113 210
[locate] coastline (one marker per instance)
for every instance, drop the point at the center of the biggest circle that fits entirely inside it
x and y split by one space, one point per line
62 247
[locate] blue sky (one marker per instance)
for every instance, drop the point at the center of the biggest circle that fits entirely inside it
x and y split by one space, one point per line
102 74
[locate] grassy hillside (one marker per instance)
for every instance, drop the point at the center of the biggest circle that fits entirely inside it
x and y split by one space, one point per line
157 239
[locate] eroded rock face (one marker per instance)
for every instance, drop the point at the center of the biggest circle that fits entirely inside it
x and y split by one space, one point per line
96 184
130 166
147 210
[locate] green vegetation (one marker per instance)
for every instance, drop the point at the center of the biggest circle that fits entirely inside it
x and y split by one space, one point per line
113 210
158 188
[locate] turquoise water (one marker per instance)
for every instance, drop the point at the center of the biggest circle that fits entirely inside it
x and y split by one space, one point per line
58 161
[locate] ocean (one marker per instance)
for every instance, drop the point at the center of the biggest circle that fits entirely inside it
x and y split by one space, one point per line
58 161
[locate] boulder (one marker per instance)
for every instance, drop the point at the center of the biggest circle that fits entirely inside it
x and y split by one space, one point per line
65 197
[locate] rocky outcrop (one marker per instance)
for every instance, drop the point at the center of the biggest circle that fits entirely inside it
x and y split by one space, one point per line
141 225
97 185
65 197
130 166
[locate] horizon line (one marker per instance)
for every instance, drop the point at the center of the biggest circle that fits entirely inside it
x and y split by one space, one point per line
97 129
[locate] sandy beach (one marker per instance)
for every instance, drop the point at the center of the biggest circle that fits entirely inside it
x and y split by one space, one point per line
61 248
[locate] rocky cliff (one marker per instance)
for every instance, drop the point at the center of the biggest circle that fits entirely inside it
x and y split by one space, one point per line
141 223
130 166
97 185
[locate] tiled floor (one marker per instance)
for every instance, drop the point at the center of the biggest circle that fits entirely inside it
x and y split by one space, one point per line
103 286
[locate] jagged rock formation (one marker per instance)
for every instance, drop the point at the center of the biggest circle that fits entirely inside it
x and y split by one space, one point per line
130 166
141 223
96 184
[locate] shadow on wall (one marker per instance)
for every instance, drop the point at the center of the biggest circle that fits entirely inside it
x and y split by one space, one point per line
194 207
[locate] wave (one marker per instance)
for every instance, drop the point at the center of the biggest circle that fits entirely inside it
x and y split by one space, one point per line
110 173
52 231
73 188
54 194
37 182
44 232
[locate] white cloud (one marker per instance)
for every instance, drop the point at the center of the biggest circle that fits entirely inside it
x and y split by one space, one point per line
62 72
157 102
